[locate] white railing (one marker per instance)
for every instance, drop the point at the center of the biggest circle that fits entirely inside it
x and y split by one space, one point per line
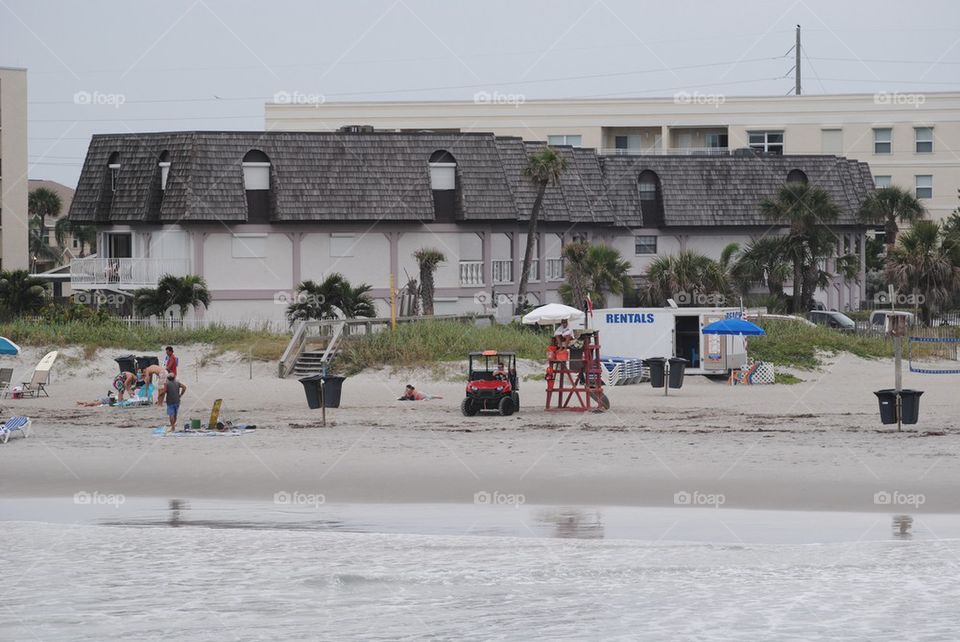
124 273
503 271
471 273
666 151
554 269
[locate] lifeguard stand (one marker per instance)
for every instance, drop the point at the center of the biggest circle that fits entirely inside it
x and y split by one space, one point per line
577 384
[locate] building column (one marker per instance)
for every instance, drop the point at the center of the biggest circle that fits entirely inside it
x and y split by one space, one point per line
664 137
486 257
516 259
197 239
296 252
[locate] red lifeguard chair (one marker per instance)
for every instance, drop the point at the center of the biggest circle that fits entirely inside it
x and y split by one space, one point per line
576 383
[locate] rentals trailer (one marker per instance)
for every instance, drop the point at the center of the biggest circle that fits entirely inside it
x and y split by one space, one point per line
642 333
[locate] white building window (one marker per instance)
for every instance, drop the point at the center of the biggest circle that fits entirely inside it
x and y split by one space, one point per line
341 245
249 246
924 186
564 139
628 143
924 139
767 141
256 170
883 141
882 181
645 244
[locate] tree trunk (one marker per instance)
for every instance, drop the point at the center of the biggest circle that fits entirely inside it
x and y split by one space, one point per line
890 230
797 286
527 258
426 290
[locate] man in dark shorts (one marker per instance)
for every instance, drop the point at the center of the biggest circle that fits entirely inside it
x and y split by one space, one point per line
171 392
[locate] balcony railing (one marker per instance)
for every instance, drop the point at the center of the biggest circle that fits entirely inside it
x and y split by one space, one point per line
554 269
666 151
124 273
471 273
503 271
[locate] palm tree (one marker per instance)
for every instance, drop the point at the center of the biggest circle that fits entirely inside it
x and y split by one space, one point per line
184 292
40 249
428 260
762 262
84 235
543 168
41 203
323 300
681 276
150 302
807 210
593 270
20 293
888 206
926 265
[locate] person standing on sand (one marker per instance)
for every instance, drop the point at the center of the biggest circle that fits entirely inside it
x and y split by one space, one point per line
171 361
171 392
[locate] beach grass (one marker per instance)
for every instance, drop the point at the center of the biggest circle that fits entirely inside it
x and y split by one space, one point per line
96 334
420 344
799 345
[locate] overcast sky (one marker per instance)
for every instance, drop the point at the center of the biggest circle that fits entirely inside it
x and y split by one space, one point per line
130 66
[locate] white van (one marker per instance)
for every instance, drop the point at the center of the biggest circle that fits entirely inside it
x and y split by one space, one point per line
642 333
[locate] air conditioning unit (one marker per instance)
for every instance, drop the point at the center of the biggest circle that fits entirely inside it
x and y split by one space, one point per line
357 129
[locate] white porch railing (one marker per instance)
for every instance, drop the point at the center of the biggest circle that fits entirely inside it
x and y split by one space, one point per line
124 273
503 271
554 269
471 273
665 151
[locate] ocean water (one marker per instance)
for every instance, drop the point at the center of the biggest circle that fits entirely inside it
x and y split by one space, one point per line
160 570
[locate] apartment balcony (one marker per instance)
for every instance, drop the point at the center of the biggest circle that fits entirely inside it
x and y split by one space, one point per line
471 273
503 271
128 274
666 151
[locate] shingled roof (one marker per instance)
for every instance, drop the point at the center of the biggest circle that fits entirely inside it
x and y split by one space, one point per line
727 190
385 176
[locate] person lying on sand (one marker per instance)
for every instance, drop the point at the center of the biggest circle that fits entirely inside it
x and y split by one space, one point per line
412 394
109 400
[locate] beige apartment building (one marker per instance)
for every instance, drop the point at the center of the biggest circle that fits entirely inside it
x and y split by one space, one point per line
909 139
13 169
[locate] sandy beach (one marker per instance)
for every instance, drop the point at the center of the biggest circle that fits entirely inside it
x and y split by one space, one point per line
817 445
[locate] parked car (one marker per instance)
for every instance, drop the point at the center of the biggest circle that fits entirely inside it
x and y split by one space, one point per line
831 319
878 318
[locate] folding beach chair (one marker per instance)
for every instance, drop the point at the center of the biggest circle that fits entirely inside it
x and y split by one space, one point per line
14 424
6 374
41 377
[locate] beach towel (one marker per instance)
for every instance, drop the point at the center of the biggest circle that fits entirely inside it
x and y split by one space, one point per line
233 431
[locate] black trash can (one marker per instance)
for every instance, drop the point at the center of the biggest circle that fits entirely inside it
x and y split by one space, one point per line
127 363
144 362
657 366
910 406
311 386
888 405
332 385
678 367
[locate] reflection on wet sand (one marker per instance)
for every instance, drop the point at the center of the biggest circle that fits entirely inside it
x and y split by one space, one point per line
572 523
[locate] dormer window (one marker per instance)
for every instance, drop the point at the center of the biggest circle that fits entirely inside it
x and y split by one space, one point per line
443 182
256 170
651 198
114 166
796 176
256 182
164 165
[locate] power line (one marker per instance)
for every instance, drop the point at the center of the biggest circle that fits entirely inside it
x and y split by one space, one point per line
614 74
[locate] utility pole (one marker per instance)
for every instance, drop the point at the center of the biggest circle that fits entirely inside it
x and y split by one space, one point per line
796 67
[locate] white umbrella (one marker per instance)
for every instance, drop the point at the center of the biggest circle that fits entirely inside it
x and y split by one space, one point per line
552 314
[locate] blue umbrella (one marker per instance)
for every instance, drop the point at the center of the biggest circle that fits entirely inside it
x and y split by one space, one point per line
738 327
8 347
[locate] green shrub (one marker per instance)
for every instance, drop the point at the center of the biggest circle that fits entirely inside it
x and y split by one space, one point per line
797 344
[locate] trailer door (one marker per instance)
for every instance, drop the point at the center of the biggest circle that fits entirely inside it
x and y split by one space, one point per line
687 337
